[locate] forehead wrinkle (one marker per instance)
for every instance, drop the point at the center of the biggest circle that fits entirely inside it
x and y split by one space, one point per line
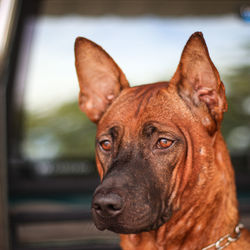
131 104
143 102
144 98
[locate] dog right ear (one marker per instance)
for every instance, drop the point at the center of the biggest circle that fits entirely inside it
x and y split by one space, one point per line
199 83
100 78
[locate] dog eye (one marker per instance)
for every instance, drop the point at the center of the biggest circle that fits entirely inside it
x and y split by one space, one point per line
164 143
105 145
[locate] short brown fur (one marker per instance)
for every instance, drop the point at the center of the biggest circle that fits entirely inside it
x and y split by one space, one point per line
194 177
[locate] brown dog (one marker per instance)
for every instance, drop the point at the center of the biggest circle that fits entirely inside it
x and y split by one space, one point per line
167 179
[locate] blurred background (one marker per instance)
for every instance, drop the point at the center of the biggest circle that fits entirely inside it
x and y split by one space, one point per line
47 166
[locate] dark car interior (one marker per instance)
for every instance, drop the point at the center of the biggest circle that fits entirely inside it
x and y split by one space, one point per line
47 162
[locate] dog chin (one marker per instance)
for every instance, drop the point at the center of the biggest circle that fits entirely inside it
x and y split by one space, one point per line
130 229
124 230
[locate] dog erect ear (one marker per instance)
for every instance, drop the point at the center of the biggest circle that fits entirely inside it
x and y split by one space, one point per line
198 80
100 78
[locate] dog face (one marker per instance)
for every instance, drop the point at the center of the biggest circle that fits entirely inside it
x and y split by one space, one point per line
137 151
151 139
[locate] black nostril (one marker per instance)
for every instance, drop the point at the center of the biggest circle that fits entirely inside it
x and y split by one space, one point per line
96 206
113 207
107 204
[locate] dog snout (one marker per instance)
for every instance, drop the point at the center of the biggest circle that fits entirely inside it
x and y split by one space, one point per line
107 205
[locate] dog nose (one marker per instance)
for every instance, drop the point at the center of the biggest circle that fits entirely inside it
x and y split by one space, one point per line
107 205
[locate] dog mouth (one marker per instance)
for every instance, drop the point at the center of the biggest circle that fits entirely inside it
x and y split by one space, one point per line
123 228
126 223
119 226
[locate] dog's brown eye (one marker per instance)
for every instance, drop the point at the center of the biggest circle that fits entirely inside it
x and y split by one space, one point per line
105 145
164 143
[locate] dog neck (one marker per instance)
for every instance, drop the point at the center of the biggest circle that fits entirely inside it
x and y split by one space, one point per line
195 226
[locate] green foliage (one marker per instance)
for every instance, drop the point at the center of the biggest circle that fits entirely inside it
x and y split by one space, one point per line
64 132
236 125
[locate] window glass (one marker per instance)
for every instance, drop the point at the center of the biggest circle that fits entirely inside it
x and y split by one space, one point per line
148 49
56 172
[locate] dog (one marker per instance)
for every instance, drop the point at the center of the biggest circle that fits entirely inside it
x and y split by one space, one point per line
166 177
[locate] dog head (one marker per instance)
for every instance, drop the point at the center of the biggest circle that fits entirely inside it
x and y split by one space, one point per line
154 142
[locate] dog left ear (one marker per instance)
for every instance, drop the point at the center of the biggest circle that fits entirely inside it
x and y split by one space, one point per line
100 78
198 80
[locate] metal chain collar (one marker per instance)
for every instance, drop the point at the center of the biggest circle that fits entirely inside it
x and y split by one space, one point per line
227 239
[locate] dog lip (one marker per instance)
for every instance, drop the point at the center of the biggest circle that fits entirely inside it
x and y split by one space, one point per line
141 227
115 225
125 229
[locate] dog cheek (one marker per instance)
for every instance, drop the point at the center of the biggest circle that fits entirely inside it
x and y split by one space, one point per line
164 167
